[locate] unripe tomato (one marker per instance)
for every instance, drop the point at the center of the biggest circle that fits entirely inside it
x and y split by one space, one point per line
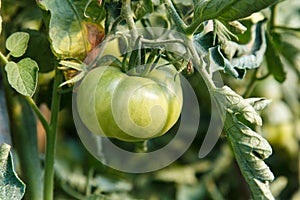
132 108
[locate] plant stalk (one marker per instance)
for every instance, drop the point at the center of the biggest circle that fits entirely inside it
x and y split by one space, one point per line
128 15
175 16
51 138
197 61
199 65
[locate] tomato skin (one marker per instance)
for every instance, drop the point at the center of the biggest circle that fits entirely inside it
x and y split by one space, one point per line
131 108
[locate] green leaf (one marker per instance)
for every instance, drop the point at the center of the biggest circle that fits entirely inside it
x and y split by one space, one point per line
243 8
287 44
23 76
255 56
210 9
11 187
68 33
222 63
228 10
236 104
235 58
275 66
17 43
250 148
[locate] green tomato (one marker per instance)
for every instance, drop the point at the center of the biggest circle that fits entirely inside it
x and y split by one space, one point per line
131 108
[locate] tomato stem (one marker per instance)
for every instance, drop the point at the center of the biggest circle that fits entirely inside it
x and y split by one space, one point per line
128 15
175 16
51 138
198 63
188 42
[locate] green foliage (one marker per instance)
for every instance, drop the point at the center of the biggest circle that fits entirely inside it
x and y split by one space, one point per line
229 10
17 43
243 8
249 147
250 150
234 58
287 46
275 66
11 187
23 75
211 9
66 29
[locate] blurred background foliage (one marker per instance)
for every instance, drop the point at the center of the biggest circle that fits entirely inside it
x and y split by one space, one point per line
80 176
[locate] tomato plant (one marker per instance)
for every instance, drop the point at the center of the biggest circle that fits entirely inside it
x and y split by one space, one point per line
116 72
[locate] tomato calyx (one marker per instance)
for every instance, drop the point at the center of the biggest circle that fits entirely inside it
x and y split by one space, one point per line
138 59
